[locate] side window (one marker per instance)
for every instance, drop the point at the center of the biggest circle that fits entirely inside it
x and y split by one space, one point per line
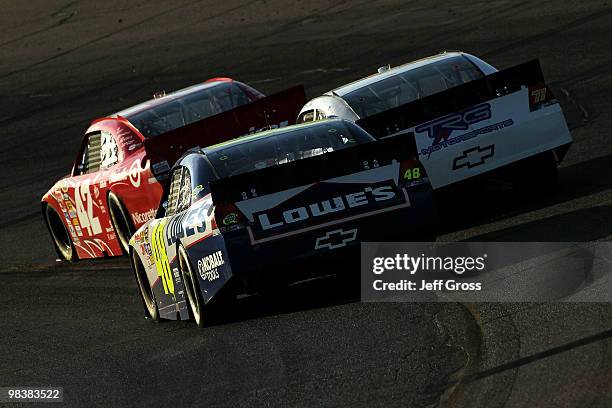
320 115
184 198
179 196
90 159
308 116
109 153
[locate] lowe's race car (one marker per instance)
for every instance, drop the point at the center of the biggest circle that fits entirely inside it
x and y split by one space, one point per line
468 118
236 210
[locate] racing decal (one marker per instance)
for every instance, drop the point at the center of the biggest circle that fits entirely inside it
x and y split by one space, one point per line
336 239
162 263
134 173
126 138
441 128
188 224
108 150
320 205
84 209
160 167
141 218
474 157
230 219
196 191
412 173
208 266
131 174
314 207
210 259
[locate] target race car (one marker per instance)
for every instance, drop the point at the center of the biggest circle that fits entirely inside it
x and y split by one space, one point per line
279 199
468 118
115 183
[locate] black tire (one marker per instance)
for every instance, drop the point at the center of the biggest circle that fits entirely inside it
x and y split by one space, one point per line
146 292
59 234
538 174
192 288
124 228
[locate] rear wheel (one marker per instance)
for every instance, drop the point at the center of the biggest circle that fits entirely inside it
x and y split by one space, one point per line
59 234
121 221
192 287
146 292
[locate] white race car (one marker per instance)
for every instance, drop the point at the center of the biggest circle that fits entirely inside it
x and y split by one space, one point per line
468 118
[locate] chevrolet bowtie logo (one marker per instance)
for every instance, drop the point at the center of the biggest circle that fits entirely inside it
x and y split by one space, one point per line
336 239
474 157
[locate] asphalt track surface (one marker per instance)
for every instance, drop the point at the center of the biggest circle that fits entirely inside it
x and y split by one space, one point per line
80 326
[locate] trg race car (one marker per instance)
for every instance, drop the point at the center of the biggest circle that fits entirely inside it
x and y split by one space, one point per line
468 118
237 210
114 186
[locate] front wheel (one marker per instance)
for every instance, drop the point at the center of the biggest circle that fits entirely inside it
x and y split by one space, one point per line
192 287
61 239
121 221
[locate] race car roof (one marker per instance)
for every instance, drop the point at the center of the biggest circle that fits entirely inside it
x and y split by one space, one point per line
360 83
170 97
264 134
283 130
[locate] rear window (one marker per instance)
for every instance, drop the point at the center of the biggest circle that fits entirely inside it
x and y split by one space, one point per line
189 108
288 145
411 85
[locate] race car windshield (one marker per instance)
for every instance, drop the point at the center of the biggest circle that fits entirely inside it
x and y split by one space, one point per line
261 151
411 85
187 109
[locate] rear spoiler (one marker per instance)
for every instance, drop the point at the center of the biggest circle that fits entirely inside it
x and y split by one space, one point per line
339 163
496 85
277 110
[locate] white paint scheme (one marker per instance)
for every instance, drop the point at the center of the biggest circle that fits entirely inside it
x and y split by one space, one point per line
532 132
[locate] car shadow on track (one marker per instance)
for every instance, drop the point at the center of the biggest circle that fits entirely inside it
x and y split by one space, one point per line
583 225
484 202
331 289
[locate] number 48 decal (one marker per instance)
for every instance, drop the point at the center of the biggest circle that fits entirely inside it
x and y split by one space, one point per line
413 173
87 219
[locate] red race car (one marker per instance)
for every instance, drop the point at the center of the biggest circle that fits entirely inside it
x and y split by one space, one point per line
114 186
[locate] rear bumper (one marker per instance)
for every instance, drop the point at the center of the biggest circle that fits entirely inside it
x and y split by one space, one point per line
338 242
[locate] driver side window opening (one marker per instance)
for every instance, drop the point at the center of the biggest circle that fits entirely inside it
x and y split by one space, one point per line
311 116
179 196
307 116
91 157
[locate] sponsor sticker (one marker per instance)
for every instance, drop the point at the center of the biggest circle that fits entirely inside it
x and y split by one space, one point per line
141 218
208 266
231 218
161 167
